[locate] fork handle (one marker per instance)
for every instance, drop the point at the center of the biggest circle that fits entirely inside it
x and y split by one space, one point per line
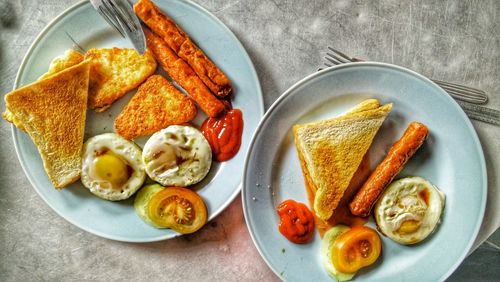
460 92
464 93
480 113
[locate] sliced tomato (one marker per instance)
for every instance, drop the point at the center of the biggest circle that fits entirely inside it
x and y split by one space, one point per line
355 249
179 209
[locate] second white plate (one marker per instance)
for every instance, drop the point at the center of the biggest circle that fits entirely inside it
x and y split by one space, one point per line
451 158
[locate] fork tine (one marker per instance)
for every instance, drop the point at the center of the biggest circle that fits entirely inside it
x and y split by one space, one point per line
123 17
107 16
332 61
341 54
331 57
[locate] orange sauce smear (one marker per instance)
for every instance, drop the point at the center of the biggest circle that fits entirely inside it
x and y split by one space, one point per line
224 134
424 194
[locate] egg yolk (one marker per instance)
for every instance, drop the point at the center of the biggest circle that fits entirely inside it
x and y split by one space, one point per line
409 226
111 168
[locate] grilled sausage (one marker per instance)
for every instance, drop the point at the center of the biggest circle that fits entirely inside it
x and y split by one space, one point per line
391 165
183 46
184 75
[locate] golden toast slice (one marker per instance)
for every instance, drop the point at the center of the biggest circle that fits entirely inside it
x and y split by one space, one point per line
52 111
156 105
331 151
68 59
114 72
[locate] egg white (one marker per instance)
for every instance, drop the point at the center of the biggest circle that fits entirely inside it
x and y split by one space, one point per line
177 156
127 151
402 201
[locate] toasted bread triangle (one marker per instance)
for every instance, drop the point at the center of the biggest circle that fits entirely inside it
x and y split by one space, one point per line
369 104
331 151
52 111
156 105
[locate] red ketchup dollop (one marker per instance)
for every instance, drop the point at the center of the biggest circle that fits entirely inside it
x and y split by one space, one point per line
296 221
224 134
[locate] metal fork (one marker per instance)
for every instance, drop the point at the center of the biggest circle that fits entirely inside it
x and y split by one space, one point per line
457 91
119 14
466 97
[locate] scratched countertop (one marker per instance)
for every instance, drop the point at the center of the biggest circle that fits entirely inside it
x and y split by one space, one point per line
457 41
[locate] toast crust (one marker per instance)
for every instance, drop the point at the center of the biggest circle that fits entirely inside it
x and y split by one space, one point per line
156 105
331 151
53 111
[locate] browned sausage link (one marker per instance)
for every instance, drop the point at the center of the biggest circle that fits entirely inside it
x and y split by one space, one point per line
184 47
184 75
390 166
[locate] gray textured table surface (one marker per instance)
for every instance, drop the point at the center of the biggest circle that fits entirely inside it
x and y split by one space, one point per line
451 40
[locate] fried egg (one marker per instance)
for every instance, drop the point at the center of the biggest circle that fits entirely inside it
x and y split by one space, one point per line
177 156
111 167
409 210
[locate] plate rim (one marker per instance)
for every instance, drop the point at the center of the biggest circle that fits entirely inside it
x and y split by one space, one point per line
15 132
314 75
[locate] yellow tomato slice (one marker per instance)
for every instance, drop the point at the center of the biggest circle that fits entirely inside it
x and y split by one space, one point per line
355 249
179 209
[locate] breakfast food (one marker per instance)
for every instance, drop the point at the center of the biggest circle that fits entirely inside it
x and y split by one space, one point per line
53 111
409 210
296 221
331 151
326 246
334 159
391 165
183 46
176 208
70 58
344 250
114 72
184 75
224 134
177 156
156 105
111 167
142 199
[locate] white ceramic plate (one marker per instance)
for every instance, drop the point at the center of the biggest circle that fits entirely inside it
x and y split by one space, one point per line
451 158
117 220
